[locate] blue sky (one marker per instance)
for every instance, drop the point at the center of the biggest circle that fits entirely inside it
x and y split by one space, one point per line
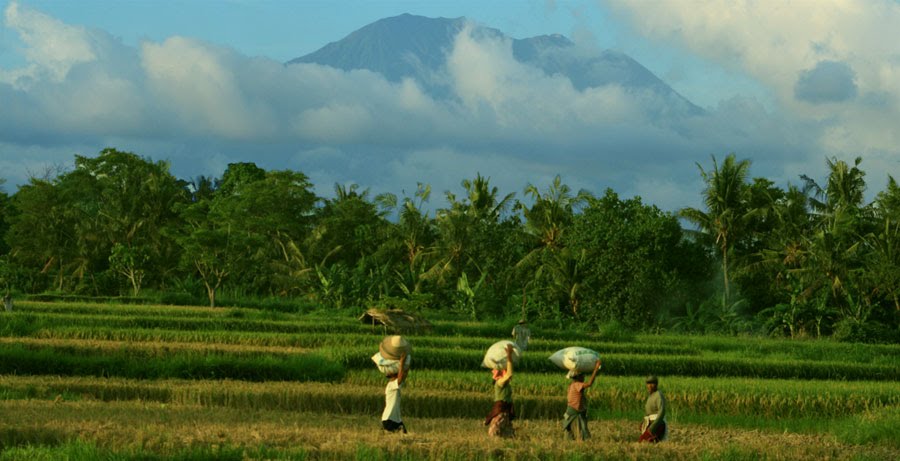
785 84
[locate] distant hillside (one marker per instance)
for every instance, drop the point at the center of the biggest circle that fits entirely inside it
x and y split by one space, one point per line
416 46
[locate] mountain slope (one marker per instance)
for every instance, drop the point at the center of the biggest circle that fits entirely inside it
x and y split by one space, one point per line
416 47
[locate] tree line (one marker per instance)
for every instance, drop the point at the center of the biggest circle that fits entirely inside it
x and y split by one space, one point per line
807 260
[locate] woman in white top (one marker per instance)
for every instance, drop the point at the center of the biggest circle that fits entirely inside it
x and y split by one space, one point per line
391 420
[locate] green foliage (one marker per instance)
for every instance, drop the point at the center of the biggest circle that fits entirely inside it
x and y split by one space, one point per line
101 360
849 330
627 270
874 426
614 330
146 364
807 260
726 199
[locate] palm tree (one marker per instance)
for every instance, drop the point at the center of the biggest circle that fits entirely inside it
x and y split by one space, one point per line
459 224
833 251
564 275
551 212
546 222
481 201
725 198
884 261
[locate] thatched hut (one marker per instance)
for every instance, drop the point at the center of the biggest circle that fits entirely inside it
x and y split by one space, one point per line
395 321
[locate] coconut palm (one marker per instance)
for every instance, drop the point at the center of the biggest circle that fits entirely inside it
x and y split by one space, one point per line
726 201
833 251
461 223
551 212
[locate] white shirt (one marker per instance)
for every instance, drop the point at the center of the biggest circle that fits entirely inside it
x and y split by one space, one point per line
392 402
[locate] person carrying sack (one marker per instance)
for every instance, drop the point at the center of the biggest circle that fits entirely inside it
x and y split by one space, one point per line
391 421
521 334
499 420
576 409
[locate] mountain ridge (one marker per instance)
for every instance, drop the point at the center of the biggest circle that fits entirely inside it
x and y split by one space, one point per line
411 46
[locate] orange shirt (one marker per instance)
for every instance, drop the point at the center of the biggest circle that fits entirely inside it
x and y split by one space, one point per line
575 397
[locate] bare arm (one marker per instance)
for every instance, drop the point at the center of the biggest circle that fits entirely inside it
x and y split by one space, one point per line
509 366
594 374
401 375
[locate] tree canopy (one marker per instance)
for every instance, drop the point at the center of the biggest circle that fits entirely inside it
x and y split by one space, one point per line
808 259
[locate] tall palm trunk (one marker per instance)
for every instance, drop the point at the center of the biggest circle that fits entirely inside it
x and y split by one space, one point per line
726 295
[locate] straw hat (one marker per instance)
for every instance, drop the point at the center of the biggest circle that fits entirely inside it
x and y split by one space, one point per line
392 347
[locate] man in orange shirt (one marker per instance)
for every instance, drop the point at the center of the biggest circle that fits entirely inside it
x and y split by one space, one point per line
577 404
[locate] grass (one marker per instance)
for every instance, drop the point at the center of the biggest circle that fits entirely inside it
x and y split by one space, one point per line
445 394
143 363
176 431
106 381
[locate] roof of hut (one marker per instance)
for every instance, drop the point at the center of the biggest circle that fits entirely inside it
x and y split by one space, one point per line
395 320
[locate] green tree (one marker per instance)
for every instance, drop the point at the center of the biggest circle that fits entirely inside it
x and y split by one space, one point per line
833 252
124 199
130 261
42 231
726 201
349 231
632 262
550 214
267 214
474 238
551 272
350 226
211 246
884 262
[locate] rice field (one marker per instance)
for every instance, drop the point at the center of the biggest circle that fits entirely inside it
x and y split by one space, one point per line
104 381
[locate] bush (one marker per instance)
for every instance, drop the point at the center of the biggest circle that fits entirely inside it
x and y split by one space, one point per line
849 330
615 331
182 299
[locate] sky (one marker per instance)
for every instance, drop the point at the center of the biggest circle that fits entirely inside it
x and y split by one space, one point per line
201 84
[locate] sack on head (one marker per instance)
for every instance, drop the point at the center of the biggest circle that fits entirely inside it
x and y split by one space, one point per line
575 359
495 357
389 366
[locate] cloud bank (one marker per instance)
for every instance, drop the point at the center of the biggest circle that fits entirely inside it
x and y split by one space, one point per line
834 63
202 105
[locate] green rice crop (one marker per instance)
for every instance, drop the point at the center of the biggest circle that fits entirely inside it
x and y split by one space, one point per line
154 364
452 394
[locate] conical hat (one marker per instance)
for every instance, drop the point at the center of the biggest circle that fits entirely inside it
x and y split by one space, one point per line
392 347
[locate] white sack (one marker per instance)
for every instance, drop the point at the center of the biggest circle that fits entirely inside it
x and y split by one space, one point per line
578 359
389 366
495 357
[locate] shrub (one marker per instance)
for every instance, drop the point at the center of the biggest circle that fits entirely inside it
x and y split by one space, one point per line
849 330
616 331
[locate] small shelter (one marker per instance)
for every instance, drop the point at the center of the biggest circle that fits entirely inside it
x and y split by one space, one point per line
395 321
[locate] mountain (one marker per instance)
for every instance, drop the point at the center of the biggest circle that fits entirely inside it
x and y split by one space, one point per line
416 46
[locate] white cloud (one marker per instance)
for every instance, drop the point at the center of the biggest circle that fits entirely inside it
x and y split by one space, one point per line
52 47
202 106
778 43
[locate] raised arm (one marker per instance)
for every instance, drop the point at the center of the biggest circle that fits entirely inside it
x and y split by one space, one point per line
401 375
509 366
594 374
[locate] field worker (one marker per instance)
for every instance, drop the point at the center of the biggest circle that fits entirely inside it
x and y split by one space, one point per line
577 404
499 420
390 418
521 334
653 428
